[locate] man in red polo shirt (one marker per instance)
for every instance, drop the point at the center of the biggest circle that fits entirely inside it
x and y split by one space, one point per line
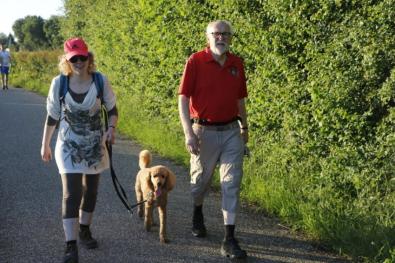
213 116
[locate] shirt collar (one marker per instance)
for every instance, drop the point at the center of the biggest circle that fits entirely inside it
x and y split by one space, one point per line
208 57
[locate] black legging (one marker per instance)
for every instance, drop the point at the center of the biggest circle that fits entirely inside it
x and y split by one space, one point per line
79 192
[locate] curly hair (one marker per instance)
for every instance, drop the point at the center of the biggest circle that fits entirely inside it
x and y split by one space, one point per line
65 67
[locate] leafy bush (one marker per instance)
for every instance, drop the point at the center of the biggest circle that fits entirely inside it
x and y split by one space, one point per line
34 70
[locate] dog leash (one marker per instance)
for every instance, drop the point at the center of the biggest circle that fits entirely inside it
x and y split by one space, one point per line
118 187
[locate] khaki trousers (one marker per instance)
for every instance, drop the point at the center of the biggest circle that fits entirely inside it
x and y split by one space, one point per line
225 148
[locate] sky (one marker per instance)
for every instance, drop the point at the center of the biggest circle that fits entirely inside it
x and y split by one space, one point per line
12 10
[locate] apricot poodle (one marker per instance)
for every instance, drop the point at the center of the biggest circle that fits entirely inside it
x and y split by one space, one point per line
153 184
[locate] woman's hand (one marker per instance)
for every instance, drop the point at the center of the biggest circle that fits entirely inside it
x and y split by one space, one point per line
46 153
110 135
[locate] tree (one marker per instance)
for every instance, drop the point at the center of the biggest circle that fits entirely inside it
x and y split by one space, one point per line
11 42
3 38
17 28
30 33
52 32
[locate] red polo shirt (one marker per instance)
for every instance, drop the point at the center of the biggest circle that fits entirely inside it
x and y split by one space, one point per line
214 90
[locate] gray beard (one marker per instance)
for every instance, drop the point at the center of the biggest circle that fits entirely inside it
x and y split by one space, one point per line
219 51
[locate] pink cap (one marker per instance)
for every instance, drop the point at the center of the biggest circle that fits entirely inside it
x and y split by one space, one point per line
75 47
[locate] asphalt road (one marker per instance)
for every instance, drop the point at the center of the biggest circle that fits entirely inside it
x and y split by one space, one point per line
30 207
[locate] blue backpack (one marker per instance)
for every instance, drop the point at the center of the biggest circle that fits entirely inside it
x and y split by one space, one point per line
64 85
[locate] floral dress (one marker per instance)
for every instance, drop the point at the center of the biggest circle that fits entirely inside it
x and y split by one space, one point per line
80 145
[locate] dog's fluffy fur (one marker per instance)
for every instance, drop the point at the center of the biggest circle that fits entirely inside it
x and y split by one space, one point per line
153 184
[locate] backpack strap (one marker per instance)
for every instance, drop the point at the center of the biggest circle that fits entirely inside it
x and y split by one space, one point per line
99 83
97 78
64 86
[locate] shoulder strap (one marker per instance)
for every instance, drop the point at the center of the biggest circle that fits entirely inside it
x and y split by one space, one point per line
99 83
64 85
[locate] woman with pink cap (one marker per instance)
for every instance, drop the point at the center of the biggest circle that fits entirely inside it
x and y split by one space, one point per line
80 151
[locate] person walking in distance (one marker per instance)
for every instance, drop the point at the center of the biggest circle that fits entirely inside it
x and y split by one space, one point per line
213 115
5 61
80 150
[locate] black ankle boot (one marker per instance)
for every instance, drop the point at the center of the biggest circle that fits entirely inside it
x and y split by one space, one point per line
86 239
71 252
198 227
230 248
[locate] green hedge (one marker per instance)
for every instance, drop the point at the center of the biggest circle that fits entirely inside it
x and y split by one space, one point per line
321 82
34 70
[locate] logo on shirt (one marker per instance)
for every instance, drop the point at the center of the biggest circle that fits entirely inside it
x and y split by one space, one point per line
234 71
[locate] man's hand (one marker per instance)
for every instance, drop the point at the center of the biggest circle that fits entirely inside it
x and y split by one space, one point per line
244 135
192 144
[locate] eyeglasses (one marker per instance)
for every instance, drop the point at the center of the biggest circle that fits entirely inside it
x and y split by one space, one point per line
80 58
223 34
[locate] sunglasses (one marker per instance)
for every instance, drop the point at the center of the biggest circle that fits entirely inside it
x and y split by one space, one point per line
79 57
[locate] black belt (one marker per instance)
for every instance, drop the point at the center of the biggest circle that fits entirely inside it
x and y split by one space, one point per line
205 122
217 126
